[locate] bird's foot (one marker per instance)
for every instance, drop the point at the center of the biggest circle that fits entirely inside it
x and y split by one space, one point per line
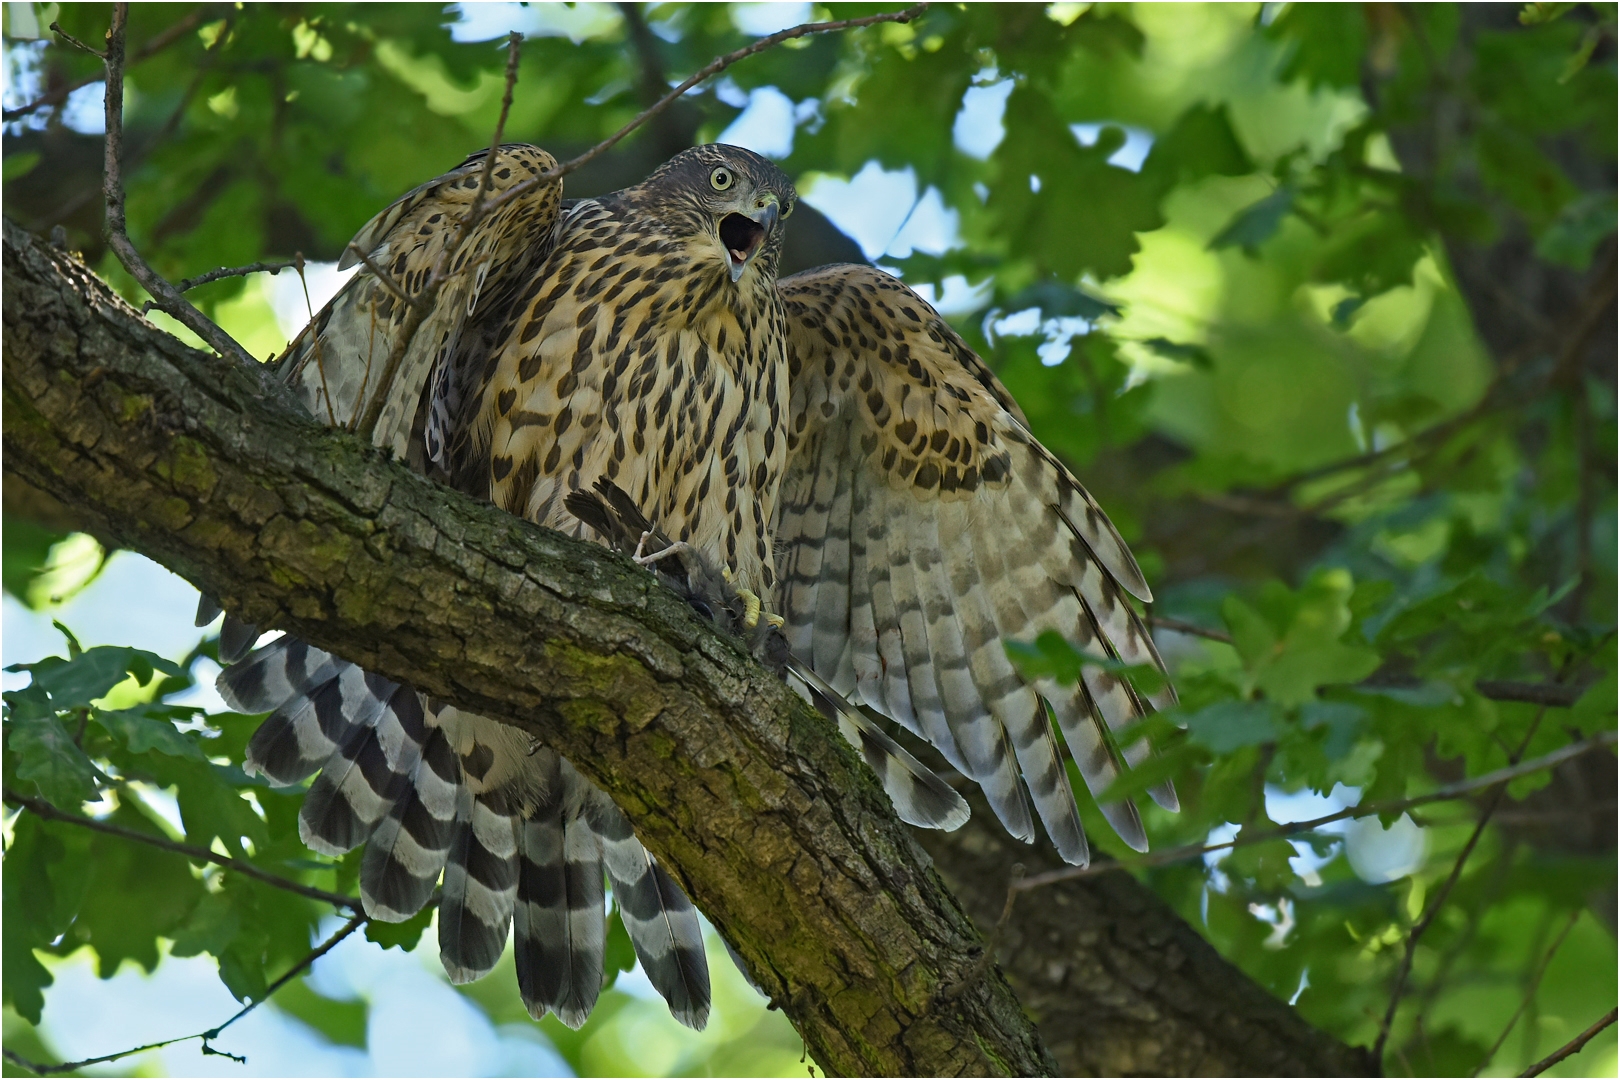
679 547
751 606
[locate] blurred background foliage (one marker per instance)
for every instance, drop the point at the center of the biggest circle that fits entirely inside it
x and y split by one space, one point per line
1318 299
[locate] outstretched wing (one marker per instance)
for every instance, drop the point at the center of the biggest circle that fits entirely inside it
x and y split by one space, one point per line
921 525
337 365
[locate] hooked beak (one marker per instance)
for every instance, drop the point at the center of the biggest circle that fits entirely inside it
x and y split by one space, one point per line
744 236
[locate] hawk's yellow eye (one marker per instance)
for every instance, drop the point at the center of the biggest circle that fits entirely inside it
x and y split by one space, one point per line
721 179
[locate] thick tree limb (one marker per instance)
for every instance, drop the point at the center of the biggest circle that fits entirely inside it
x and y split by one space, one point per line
780 835
1119 984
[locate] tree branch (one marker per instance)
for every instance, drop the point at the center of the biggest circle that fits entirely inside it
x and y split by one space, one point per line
40 1069
1494 800
1459 790
45 811
164 295
1573 1047
773 824
156 44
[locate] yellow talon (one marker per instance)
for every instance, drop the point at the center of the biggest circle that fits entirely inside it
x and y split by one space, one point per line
775 620
750 606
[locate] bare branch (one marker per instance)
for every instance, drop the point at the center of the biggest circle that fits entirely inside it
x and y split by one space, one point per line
514 46
46 812
712 69
988 956
1530 991
1574 1046
76 43
164 295
212 1033
162 40
1182 626
1450 791
422 304
271 268
1556 695
1440 897
1553 695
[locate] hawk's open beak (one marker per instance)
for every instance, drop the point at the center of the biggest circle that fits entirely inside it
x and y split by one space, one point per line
744 236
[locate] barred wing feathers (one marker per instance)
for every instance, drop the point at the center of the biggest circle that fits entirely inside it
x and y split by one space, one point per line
337 364
921 525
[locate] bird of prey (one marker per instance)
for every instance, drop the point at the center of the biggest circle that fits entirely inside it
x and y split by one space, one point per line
825 444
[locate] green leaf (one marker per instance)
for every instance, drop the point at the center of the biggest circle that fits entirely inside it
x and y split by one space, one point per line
1537 13
342 1022
77 682
214 923
48 756
1255 224
1578 229
1057 299
1196 355
24 554
1228 725
141 733
1202 143
1048 656
401 935
619 952
17 166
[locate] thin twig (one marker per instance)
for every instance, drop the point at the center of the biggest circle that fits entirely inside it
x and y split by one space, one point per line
1556 695
224 272
156 44
422 304
45 811
1182 626
1571 1048
991 941
713 68
1444 794
382 275
76 43
164 295
212 1033
1530 992
1404 972
1553 695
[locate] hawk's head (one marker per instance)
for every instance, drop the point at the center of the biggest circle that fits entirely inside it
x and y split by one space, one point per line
730 196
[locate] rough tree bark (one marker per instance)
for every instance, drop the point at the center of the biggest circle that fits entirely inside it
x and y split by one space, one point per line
1118 983
778 831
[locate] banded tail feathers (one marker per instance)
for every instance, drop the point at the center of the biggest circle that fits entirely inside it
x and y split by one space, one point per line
531 853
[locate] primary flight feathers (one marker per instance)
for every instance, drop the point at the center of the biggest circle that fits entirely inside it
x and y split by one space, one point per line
825 448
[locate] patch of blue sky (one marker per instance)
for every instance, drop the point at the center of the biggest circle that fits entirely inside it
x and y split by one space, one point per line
1375 854
285 293
760 20
84 111
766 122
978 128
86 1016
417 1025
132 600
576 22
1138 141
883 212
1059 331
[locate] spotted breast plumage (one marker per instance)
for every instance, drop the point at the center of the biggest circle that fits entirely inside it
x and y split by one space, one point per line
824 447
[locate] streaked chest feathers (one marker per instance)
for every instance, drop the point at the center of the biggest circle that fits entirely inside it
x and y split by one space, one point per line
633 356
